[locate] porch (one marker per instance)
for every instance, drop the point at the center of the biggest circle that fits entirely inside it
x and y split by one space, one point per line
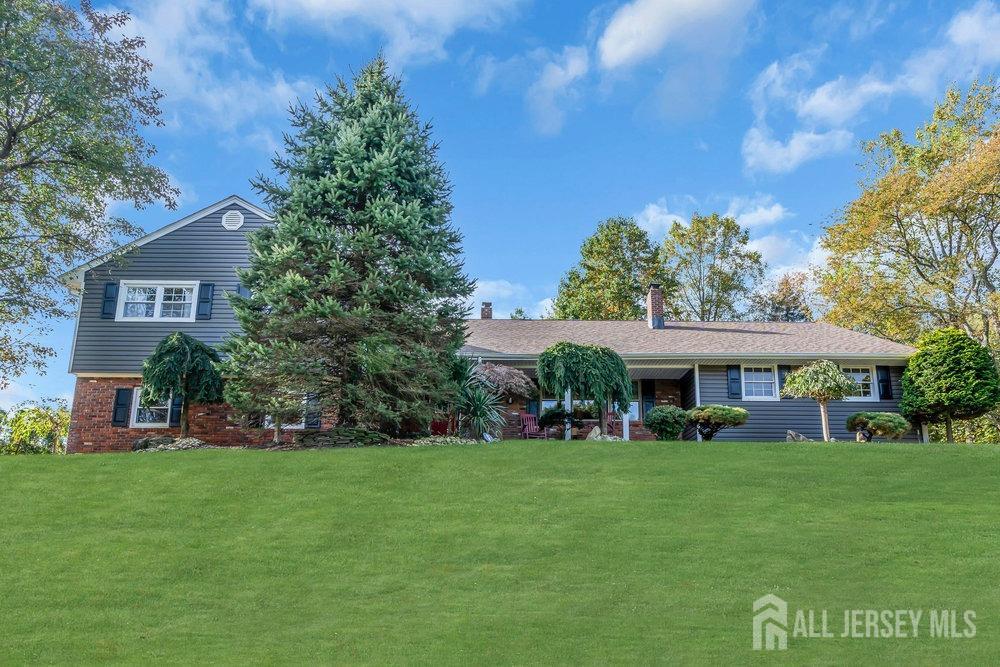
653 384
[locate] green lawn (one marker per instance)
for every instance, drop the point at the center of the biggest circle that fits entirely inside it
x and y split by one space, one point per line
520 552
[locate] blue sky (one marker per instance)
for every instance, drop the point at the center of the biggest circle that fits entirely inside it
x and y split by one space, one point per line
555 115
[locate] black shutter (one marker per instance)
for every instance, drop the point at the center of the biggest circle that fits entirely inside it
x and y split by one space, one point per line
648 388
735 388
122 407
783 372
175 410
884 383
313 415
110 303
206 291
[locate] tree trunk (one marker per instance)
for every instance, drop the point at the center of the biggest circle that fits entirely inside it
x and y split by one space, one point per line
277 432
602 418
184 418
948 430
824 417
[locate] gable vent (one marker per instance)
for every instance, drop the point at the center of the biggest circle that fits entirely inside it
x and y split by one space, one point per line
232 220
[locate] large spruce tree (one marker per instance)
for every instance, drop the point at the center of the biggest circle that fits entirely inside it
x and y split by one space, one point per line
358 287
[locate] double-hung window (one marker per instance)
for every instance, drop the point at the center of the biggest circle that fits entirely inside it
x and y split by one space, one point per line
760 383
864 376
149 416
156 301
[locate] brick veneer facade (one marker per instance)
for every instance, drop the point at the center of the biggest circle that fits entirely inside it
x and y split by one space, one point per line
91 430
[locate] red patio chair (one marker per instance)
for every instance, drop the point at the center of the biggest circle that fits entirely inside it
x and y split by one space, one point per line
530 429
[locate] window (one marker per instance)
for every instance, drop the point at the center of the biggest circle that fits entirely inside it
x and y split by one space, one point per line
759 383
309 414
156 302
863 375
149 416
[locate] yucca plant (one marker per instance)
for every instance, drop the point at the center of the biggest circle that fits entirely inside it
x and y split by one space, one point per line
480 411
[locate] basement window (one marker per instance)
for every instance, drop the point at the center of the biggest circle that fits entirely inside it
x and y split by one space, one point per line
149 416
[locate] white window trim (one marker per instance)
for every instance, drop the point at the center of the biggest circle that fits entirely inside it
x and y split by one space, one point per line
123 290
874 395
743 383
134 412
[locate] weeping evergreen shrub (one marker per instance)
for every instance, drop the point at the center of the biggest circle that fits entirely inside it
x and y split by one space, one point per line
590 372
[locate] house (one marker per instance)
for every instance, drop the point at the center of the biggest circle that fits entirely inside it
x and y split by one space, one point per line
686 364
177 278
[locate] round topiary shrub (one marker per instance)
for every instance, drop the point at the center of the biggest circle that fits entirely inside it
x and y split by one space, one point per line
869 425
710 419
950 377
666 421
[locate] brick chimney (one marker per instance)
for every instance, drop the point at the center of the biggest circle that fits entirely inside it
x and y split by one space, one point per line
654 307
487 311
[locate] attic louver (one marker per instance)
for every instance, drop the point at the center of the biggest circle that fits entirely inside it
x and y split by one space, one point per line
232 220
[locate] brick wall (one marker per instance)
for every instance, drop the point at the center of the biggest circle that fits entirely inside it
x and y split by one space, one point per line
90 428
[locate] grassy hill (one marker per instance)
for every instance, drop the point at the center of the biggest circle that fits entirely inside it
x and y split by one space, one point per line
511 553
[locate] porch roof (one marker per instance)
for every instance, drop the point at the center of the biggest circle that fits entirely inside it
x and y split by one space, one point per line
524 339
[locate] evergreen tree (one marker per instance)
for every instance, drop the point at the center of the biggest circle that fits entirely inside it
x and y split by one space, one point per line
617 264
357 291
181 367
950 377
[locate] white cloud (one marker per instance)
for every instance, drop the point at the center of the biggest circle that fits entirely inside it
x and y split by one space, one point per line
791 253
412 29
642 28
762 152
860 21
543 308
757 211
657 219
550 82
554 88
206 68
838 101
15 393
968 48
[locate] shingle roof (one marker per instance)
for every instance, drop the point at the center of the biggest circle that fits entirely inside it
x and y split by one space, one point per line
635 338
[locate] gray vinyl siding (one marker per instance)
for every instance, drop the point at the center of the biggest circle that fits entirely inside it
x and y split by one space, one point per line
769 420
202 250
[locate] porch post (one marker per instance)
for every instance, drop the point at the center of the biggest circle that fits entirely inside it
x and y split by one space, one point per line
925 436
625 421
568 404
697 395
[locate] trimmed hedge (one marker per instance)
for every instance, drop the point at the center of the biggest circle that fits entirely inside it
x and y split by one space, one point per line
710 419
878 424
666 421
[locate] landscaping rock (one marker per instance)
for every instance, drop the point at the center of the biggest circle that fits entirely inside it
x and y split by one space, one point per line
595 433
163 443
795 436
341 437
151 442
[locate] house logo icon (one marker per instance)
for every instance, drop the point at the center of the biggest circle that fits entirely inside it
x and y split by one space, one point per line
770 623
